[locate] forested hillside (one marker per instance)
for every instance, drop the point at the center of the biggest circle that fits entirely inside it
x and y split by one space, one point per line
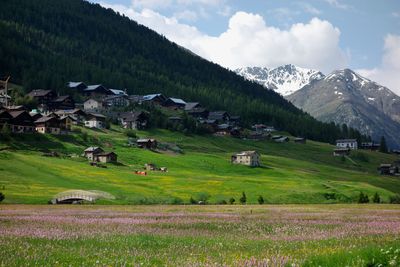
45 43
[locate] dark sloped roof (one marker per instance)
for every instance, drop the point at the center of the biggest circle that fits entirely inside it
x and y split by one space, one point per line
191 105
61 98
45 119
39 93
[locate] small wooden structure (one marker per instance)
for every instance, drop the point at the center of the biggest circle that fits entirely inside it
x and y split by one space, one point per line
106 157
147 143
338 152
300 140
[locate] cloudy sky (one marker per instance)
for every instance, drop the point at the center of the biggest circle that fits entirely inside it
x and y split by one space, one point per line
321 34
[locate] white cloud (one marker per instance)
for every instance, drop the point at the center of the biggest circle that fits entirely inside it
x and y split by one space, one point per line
249 41
337 4
186 15
310 9
153 4
388 72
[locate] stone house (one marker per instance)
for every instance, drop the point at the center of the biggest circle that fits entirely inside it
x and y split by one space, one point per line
248 158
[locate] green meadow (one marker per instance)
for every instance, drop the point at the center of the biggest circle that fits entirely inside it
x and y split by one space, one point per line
290 172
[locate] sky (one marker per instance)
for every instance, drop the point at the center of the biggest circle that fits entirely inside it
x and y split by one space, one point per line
325 35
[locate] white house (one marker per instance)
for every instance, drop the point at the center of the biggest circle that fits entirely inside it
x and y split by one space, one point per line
249 158
95 121
93 105
347 143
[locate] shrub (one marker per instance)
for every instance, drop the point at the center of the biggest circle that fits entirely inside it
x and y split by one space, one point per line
260 200
130 133
361 157
243 199
222 202
5 132
395 199
85 136
330 196
192 200
203 197
376 198
231 200
2 196
363 198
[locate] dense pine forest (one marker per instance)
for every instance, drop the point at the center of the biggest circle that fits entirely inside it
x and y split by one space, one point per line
45 43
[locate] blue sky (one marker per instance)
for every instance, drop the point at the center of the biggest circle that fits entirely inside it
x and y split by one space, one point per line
322 34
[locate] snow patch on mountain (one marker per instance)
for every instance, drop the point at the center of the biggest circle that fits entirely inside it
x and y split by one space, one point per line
285 80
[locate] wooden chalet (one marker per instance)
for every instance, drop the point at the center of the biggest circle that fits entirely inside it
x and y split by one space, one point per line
390 169
78 115
21 122
62 102
339 152
96 90
48 125
219 116
77 86
189 106
91 152
157 99
119 100
106 157
66 122
95 120
35 115
300 140
134 120
175 103
43 97
370 146
147 143
198 113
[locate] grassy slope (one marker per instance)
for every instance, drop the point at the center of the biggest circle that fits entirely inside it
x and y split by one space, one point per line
292 173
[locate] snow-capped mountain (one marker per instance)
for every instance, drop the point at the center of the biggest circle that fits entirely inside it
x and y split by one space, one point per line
285 80
346 97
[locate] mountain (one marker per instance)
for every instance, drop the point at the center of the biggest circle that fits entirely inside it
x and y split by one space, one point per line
46 43
346 97
285 80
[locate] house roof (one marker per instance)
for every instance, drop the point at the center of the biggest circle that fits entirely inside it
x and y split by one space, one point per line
61 98
16 113
385 165
15 108
39 93
117 92
45 119
151 97
92 99
131 116
191 105
97 115
92 149
177 101
75 84
217 115
247 153
95 87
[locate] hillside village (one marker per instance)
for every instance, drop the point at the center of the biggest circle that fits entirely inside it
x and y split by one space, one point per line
57 114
